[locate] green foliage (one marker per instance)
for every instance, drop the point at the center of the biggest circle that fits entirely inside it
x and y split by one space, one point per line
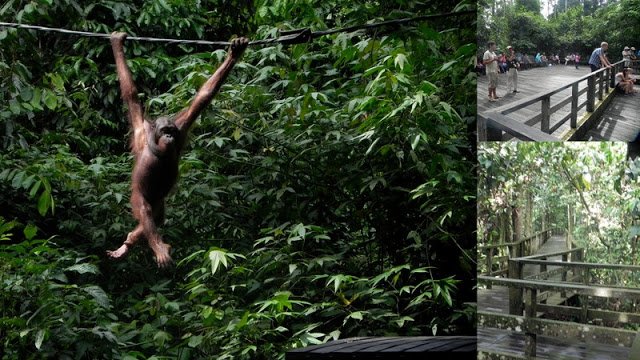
579 27
50 305
327 192
589 178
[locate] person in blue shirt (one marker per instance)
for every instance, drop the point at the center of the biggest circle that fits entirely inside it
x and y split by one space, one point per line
598 57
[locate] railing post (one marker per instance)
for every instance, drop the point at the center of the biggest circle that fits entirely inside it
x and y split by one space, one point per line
486 132
584 299
521 251
482 129
574 106
591 96
612 77
544 124
489 265
530 313
515 293
600 80
565 258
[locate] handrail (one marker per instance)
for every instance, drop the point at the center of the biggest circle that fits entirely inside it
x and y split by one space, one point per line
493 123
578 264
499 122
600 291
556 253
532 326
516 249
516 242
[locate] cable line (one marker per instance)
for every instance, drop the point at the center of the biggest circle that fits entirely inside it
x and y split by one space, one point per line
297 36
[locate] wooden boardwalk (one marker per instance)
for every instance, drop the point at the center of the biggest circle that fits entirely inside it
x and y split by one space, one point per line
511 343
496 300
554 244
621 121
530 83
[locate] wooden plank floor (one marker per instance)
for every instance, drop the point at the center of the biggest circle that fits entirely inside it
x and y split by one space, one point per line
530 83
511 343
554 244
398 347
621 121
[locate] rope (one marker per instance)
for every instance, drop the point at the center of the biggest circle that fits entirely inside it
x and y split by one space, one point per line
288 37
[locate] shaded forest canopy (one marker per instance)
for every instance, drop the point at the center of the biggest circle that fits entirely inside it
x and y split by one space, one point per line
589 190
328 191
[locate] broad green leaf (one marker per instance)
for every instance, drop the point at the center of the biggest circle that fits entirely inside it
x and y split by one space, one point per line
447 65
30 231
44 201
39 338
195 341
217 257
26 94
50 100
161 337
84 268
400 60
99 295
414 143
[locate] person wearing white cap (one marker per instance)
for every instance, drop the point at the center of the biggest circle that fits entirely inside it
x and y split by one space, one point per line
626 56
512 78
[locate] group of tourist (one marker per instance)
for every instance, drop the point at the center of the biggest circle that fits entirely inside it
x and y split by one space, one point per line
526 61
629 54
574 58
493 64
545 60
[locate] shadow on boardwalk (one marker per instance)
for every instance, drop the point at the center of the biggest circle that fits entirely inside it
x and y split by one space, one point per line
621 121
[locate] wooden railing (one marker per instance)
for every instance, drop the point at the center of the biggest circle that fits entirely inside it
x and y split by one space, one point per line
493 124
530 295
499 254
532 326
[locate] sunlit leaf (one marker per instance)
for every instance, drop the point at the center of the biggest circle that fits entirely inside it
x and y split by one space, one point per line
217 257
39 338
